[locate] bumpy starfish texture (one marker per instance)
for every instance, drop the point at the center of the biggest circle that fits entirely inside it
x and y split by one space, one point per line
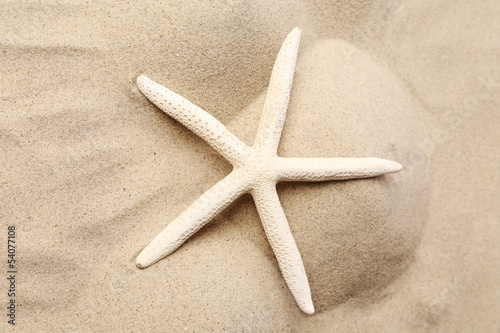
257 169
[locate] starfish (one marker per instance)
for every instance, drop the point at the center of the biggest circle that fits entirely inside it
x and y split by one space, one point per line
256 170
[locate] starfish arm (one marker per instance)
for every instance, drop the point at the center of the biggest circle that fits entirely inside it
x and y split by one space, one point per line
278 95
195 119
284 247
206 207
323 169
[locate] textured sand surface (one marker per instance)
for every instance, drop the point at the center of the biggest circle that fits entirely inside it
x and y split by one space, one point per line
90 171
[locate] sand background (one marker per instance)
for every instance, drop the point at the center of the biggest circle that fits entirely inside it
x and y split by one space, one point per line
91 171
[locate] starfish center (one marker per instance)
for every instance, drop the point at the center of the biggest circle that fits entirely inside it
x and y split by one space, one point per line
259 168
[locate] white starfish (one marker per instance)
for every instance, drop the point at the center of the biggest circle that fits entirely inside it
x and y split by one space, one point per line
257 169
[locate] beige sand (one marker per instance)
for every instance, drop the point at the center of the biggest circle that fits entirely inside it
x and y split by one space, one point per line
91 171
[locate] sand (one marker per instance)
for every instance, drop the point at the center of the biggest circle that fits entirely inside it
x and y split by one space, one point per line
91 171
